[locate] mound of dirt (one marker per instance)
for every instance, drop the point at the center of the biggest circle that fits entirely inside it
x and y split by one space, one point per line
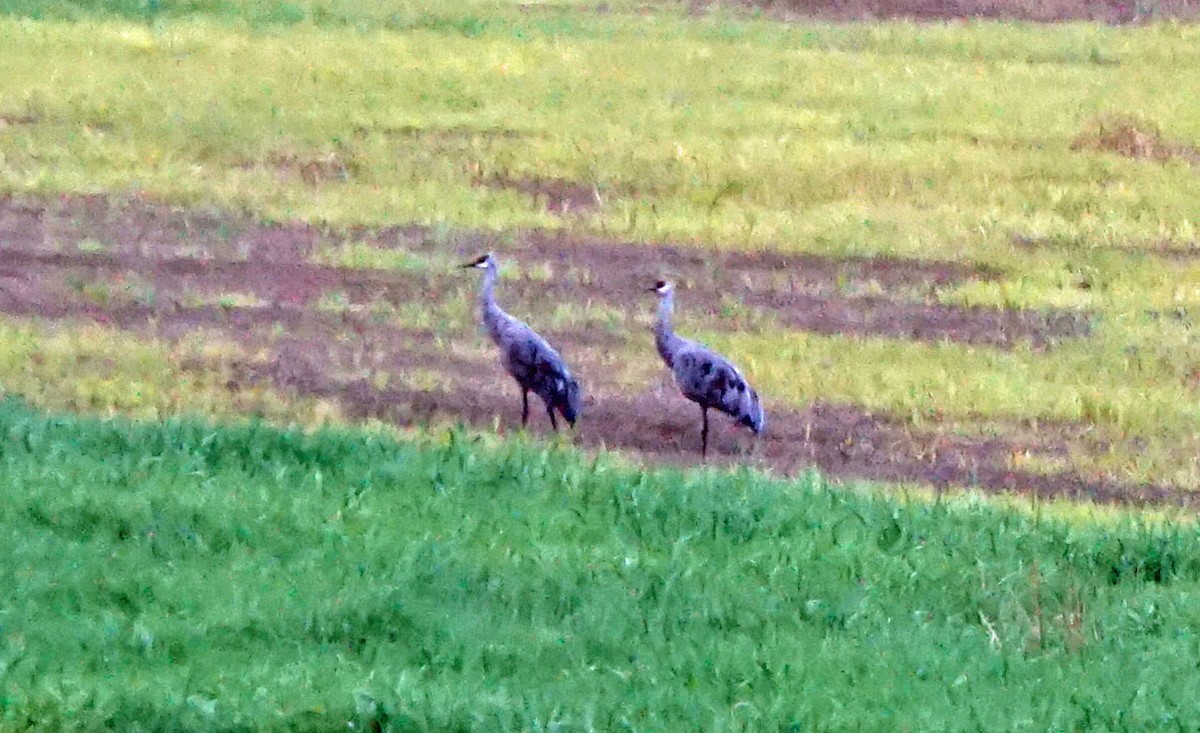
1132 137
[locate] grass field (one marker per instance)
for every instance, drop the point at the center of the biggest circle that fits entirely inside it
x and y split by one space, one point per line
261 470
188 576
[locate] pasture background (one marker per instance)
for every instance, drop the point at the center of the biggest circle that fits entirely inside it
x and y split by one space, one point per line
950 255
989 146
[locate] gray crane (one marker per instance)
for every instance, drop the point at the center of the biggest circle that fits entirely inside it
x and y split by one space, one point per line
704 376
532 362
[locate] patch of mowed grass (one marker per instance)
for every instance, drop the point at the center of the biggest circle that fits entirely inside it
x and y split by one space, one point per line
799 367
95 369
192 576
1137 405
365 256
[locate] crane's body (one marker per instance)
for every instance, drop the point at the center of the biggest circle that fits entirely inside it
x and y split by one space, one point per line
704 376
526 356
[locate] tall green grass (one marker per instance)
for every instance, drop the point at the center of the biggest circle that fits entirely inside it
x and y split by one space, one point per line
189 576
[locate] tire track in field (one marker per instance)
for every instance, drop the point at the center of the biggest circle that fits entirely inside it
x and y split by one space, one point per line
203 253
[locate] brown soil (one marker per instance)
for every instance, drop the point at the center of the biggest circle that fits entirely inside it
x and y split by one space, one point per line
926 321
827 295
841 440
730 269
140 266
1167 250
558 196
1133 138
18 120
177 253
1044 11
314 170
454 133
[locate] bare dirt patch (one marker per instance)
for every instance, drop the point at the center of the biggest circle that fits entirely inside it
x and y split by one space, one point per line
1168 250
313 170
556 195
728 270
882 316
294 282
1132 137
879 296
205 252
145 228
18 120
451 134
143 266
1043 11
841 440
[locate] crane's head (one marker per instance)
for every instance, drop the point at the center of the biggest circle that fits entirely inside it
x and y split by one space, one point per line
753 415
482 261
569 401
663 287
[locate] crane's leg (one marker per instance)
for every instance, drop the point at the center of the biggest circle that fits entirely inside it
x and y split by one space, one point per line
553 420
704 432
524 407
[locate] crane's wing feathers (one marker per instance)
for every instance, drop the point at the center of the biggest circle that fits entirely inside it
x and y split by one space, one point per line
526 356
709 379
539 368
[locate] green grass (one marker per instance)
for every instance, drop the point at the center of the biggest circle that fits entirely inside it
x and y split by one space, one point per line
106 371
803 367
187 576
360 255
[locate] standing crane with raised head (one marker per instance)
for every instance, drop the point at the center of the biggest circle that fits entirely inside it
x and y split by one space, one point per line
532 362
702 375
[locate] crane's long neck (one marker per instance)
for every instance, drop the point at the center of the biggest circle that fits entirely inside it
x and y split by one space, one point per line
488 309
664 333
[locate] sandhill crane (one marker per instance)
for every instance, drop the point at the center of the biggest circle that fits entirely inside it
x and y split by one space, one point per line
526 356
704 376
